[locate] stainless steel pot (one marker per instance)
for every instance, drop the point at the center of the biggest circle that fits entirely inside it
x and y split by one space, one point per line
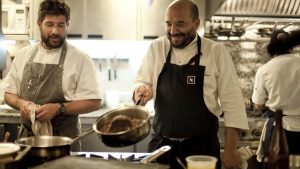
45 148
140 129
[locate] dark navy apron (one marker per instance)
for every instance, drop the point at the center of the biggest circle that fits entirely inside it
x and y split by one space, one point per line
182 119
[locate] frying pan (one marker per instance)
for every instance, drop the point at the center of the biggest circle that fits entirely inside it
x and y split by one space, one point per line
127 137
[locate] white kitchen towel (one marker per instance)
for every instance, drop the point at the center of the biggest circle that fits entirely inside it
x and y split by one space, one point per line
260 151
39 128
245 153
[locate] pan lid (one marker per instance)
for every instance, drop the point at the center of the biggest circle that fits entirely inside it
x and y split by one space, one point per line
8 148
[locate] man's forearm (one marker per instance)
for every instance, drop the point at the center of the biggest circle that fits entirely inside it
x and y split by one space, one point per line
12 100
82 106
230 139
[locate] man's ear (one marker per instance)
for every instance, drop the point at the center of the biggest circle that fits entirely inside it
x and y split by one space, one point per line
39 23
197 23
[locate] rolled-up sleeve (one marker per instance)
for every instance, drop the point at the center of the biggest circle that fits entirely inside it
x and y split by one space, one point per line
259 95
230 93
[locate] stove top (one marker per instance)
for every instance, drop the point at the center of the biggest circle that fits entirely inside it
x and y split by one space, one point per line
75 162
27 163
121 156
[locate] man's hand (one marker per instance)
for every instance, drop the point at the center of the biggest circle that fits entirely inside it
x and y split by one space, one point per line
231 159
47 112
25 108
145 91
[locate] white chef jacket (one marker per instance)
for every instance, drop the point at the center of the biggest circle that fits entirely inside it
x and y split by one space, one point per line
277 86
222 91
79 81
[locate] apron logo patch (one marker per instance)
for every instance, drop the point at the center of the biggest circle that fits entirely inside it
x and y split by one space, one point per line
191 79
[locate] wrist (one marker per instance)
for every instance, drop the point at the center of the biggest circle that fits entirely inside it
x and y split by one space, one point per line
61 108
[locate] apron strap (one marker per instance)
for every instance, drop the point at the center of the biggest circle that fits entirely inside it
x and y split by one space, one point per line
269 130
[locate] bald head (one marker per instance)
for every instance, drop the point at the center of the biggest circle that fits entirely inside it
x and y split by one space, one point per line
186 5
182 21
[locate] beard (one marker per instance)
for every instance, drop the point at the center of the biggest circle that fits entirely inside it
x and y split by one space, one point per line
181 40
53 41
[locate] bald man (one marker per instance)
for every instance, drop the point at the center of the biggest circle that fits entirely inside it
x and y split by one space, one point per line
192 81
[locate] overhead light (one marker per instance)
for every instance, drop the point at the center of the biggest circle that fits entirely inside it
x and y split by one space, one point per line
222 38
234 38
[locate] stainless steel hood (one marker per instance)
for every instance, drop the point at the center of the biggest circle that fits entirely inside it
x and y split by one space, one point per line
260 8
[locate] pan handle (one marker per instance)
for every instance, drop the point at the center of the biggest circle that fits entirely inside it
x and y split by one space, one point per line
155 154
140 101
23 153
80 136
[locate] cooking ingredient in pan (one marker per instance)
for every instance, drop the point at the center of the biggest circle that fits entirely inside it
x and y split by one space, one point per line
118 127
120 123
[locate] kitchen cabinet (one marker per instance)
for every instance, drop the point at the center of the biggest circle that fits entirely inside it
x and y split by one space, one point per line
106 19
116 19
153 18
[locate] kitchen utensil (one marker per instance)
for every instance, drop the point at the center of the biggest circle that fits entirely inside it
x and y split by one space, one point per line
108 65
8 151
180 163
14 162
155 154
141 126
6 136
45 148
114 65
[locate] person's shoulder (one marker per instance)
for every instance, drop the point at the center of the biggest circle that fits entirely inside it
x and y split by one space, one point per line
161 43
27 48
25 51
76 51
211 43
213 47
160 40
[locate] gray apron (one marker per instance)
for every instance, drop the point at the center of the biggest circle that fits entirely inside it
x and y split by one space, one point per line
42 84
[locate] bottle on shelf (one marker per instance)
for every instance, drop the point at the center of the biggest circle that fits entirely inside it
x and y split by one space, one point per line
278 157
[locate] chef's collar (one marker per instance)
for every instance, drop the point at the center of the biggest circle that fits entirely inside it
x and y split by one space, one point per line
41 47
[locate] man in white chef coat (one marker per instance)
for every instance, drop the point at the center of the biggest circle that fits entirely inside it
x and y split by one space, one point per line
192 81
52 77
